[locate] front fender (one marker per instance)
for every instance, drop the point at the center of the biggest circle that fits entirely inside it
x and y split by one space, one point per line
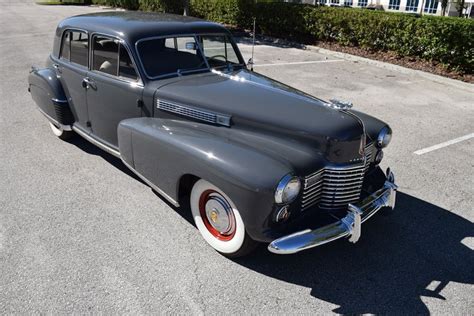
48 94
164 150
372 125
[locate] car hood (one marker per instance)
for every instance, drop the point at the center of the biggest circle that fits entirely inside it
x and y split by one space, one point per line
259 104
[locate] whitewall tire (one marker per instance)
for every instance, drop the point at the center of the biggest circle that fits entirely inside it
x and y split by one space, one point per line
60 133
219 221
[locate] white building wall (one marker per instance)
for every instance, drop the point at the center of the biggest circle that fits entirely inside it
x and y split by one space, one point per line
451 9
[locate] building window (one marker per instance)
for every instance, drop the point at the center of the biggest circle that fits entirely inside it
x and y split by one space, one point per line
431 6
394 5
412 5
348 3
334 1
362 3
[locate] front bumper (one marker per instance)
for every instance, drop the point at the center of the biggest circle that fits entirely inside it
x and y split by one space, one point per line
350 225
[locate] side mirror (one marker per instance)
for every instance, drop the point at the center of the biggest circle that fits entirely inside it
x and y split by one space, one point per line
250 63
191 46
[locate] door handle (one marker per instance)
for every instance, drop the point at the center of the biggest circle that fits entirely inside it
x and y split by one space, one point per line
88 83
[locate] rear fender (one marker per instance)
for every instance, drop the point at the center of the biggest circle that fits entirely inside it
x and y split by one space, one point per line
49 96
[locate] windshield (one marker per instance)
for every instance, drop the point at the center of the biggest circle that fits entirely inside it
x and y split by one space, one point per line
187 54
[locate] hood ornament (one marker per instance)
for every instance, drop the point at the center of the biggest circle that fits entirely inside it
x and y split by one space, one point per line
339 104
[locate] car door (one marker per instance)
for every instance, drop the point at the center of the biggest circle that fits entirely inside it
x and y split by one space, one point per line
114 89
71 69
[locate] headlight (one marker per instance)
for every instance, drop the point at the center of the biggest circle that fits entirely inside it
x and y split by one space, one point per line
384 138
288 189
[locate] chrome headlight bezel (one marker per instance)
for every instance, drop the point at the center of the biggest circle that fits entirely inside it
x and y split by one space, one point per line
288 189
384 137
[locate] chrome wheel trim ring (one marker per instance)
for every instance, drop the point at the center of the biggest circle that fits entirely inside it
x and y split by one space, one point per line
219 214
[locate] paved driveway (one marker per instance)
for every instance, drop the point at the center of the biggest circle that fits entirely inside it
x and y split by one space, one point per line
79 233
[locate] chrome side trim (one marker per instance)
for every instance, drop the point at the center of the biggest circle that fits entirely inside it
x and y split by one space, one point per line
149 183
59 101
193 112
55 122
94 141
350 225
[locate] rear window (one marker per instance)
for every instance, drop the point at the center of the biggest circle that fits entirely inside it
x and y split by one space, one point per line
173 55
75 47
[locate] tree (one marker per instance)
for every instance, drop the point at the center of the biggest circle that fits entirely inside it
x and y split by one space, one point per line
460 6
186 7
444 6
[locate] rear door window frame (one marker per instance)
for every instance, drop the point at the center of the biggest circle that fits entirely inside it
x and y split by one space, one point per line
68 59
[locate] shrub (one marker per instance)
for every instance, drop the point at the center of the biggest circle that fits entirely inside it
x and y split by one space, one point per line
234 12
441 39
168 6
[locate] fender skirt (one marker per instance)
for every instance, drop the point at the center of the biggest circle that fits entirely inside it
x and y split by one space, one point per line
48 94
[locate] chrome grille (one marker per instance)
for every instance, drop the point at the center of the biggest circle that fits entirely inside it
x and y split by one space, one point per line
332 188
186 111
369 154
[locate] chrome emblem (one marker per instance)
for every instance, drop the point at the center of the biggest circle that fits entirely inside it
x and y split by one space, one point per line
213 216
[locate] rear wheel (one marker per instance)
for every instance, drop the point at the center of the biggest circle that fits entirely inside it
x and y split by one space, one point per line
219 221
60 133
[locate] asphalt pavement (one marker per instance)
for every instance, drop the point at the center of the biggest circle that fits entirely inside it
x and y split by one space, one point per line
79 233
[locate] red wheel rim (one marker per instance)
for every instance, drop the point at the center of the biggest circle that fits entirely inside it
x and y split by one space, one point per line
205 197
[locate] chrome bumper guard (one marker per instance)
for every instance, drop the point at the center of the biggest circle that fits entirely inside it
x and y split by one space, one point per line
350 225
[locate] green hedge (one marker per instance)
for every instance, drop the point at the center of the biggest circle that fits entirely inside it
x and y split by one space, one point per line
169 6
235 12
440 39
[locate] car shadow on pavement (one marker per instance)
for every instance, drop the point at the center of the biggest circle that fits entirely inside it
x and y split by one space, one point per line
91 149
414 252
403 255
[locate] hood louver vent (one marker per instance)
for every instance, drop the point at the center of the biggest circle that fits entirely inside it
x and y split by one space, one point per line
192 112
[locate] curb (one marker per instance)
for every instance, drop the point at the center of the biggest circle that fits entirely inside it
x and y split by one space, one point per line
385 65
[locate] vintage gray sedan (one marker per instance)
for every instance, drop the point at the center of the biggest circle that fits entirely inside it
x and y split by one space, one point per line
253 159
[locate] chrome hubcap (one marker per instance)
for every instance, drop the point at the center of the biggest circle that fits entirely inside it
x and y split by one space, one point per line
219 214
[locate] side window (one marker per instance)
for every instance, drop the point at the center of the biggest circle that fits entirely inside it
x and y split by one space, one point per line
105 55
79 48
111 57
126 69
65 46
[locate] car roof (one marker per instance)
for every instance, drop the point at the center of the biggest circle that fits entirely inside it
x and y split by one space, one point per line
135 25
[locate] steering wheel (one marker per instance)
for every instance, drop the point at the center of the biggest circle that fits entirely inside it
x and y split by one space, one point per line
214 57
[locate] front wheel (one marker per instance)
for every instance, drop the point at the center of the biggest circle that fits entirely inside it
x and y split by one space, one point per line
219 221
60 133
